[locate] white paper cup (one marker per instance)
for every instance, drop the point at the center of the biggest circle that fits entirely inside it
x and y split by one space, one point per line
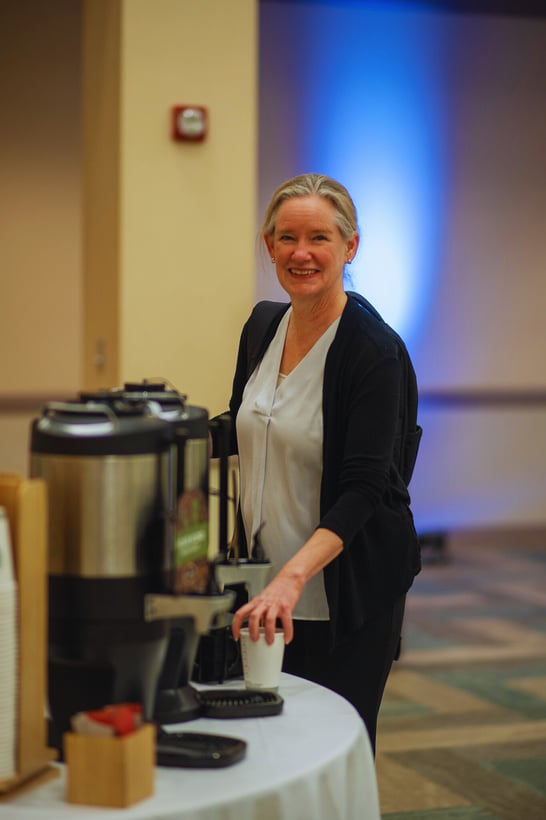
262 662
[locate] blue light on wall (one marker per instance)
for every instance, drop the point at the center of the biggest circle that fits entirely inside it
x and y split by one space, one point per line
430 118
370 114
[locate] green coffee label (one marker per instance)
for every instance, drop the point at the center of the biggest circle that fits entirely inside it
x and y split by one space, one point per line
191 544
192 528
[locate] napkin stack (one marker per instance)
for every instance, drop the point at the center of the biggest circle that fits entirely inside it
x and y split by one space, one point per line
8 653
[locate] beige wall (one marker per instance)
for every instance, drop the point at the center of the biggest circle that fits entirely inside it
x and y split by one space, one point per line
40 238
186 214
40 203
188 209
162 246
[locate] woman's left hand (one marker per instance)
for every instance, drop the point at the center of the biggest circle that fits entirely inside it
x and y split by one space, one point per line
276 601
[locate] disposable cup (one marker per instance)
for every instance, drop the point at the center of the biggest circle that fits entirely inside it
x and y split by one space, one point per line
262 662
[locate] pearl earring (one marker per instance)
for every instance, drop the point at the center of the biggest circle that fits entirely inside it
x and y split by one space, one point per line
273 259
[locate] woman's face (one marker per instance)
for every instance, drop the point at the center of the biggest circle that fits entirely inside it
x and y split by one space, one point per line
308 247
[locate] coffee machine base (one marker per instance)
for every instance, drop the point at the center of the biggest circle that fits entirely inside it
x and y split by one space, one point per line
176 705
191 617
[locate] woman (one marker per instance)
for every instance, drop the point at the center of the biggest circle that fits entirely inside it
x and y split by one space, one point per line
315 424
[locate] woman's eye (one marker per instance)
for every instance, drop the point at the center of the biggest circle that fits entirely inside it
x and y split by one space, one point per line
285 237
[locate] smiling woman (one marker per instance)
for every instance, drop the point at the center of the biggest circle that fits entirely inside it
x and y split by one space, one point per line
314 427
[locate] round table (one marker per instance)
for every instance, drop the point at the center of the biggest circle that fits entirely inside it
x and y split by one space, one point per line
311 762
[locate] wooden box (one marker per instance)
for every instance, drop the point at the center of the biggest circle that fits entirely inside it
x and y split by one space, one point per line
110 771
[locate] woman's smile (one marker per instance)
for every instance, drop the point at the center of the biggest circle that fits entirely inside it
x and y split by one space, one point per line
303 271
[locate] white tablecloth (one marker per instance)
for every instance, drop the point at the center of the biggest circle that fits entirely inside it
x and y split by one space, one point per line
311 762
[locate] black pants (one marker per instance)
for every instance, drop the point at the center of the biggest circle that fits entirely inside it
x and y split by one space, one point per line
357 670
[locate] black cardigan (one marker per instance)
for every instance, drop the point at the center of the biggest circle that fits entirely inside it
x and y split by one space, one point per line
362 497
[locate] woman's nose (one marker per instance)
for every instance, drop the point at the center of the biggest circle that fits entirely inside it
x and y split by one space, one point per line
301 251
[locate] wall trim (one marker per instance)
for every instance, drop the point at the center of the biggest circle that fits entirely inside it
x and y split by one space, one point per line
471 397
29 402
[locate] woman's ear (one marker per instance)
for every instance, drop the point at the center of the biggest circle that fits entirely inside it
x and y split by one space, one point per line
269 245
352 246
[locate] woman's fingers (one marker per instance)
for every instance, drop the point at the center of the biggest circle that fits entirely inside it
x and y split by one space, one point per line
237 621
263 614
287 627
276 602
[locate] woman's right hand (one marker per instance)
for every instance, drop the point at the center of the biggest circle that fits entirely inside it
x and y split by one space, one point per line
279 598
275 603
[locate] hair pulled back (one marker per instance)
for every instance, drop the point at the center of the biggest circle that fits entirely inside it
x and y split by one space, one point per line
307 185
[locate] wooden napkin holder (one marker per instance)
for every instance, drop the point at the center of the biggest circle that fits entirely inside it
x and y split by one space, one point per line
110 771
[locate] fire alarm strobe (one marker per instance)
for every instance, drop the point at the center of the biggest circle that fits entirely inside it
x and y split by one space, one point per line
190 123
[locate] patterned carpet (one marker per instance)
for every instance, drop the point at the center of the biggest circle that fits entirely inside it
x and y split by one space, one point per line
462 730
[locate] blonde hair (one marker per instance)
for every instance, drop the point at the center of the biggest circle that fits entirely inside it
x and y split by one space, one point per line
307 185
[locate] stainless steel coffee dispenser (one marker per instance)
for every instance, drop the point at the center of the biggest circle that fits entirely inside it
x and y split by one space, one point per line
116 464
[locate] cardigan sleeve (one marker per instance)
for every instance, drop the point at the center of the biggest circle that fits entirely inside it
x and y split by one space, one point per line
360 410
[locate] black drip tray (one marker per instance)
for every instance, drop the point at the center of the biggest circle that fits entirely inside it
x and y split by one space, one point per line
195 750
239 703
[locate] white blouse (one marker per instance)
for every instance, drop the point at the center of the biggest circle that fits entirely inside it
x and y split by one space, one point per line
279 432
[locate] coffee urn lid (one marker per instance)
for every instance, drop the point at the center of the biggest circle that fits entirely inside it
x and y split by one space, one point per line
169 404
145 391
98 427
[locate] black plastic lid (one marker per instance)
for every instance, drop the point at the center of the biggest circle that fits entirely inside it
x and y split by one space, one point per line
161 401
139 391
99 428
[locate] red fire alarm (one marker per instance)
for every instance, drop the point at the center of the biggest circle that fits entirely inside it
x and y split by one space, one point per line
189 123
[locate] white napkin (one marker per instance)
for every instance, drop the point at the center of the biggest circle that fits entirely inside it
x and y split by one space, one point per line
6 558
